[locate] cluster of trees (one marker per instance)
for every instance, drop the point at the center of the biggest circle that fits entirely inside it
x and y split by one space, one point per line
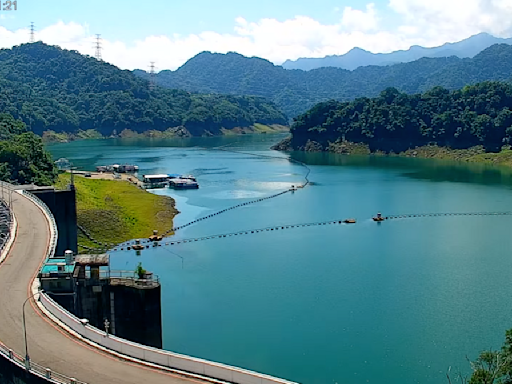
23 159
394 121
54 89
295 91
491 367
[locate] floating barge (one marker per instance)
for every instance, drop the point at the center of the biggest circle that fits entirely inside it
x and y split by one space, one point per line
173 181
155 181
117 168
182 183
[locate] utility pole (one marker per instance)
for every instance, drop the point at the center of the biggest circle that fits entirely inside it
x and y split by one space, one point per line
97 46
152 80
72 181
32 32
27 358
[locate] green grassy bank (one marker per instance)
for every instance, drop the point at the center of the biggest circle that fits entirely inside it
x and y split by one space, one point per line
113 211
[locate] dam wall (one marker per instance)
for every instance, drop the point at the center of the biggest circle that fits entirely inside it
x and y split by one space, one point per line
174 361
62 205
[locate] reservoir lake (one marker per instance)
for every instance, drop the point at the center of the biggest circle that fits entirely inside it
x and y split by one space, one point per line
401 301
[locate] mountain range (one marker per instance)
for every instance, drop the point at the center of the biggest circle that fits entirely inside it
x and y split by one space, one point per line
358 57
295 91
50 88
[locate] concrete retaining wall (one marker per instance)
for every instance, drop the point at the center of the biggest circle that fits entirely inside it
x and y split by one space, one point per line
157 356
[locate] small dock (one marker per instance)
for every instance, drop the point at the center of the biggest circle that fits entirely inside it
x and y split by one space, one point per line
118 168
172 181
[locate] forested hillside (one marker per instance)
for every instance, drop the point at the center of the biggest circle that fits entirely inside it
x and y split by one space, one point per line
23 159
294 91
476 115
54 89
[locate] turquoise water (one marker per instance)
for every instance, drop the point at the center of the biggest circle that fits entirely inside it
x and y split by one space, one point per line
401 301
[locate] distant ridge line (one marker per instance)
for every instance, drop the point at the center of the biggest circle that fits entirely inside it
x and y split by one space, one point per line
358 57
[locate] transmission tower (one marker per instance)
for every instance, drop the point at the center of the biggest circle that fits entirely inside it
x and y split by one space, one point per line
32 32
152 81
97 46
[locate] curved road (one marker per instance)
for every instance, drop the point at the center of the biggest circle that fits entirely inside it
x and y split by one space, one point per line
48 345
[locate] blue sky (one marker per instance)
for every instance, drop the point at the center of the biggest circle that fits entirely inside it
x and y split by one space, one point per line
172 31
128 19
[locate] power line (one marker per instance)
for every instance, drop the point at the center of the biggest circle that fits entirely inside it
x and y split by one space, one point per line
97 47
32 32
152 74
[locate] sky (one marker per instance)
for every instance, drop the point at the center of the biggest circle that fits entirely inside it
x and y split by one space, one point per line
169 32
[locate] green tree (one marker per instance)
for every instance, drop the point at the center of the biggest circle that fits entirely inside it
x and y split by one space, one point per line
23 159
53 89
395 121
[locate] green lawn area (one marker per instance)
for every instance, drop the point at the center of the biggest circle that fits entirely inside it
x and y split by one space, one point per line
114 211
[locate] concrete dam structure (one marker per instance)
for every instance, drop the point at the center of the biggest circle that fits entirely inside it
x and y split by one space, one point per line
118 302
62 204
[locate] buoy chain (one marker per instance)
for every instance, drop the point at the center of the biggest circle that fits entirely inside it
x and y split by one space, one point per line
88 235
224 211
408 216
219 236
148 243
249 202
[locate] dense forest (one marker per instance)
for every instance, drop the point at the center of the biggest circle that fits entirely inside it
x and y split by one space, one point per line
23 159
53 89
480 114
295 91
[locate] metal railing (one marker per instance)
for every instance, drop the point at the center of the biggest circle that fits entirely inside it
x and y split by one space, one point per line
128 278
51 221
5 240
9 354
36 369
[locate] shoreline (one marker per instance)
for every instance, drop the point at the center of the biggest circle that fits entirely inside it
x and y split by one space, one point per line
476 154
52 137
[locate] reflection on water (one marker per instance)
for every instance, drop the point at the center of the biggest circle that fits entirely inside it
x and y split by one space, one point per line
423 169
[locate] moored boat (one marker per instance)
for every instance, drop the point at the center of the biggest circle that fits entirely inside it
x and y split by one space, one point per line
379 217
182 183
137 246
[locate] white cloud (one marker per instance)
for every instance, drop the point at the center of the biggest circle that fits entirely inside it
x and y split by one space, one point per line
398 26
451 20
357 20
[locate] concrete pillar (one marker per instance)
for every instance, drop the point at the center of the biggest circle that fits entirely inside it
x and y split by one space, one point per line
112 313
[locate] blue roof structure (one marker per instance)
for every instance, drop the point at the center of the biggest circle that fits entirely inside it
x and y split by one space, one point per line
52 266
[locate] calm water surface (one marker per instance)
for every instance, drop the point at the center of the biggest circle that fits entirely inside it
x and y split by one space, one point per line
397 302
